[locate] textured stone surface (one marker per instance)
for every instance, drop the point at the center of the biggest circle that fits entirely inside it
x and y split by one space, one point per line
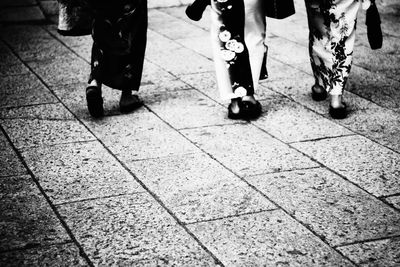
247 150
378 124
132 230
335 209
74 172
44 111
9 161
196 187
139 135
375 253
395 201
352 157
21 14
187 109
26 218
23 90
55 255
26 133
290 122
273 239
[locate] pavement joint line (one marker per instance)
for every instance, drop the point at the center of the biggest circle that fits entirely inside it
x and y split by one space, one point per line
35 119
48 200
214 125
14 175
282 171
34 247
25 148
233 216
322 138
392 195
66 203
321 238
156 198
29 105
370 240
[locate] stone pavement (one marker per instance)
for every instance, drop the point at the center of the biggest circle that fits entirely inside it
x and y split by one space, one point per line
176 182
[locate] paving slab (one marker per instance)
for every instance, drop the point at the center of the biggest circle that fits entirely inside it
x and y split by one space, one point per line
78 171
28 133
41 112
8 3
290 122
197 188
246 150
333 208
10 64
395 201
10 164
67 69
132 230
55 255
376 123
23 90
21 14
352 157
179 12
200 45
173 108
139 135
265 239
27 219
374 253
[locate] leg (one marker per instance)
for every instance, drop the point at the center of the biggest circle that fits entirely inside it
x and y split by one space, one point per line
332 35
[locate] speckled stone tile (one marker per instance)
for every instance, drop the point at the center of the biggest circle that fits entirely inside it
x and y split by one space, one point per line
290 122
333 208
379 124
200 45
42 112
26 218
196 187
179 12
130 230
139 135
25 133
395 201
24 37
76 171
288 52
23 90
55 255
375 253
9 161
188 109
10 64
265 239
247 150
353 156
63 70
170 26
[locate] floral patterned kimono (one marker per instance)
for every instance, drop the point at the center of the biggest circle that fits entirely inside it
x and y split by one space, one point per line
118 29
332 25
238 33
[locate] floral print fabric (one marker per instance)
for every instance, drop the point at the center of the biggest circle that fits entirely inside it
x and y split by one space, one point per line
332 26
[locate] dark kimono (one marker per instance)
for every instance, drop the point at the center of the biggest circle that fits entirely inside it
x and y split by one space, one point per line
118 29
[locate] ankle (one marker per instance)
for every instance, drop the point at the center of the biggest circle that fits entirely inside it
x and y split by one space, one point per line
249 98
336 101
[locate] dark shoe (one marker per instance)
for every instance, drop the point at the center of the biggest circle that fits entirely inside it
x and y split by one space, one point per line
251 110
319 94
338 113
94 101
235 115
129 103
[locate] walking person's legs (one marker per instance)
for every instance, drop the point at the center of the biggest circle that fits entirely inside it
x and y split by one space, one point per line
332 35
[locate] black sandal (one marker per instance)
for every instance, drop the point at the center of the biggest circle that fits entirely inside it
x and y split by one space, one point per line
94 101
134 104
338 113
318 96
251 110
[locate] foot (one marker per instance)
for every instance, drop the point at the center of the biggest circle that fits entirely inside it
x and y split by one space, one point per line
337 108
234 109
251 108
129 102
94 101
318 93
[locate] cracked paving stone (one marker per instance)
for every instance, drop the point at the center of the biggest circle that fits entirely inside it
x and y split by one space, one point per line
332 207
265 239
132 230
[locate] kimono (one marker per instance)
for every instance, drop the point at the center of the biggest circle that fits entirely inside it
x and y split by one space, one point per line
332 25
238 34
118 29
